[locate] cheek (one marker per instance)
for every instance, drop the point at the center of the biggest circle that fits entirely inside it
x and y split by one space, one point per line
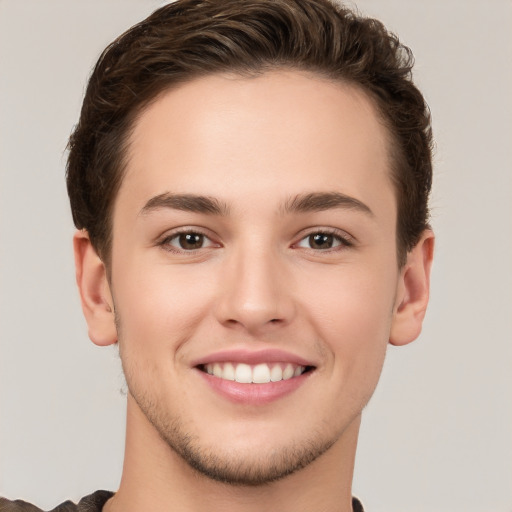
352 316
356 300
159 306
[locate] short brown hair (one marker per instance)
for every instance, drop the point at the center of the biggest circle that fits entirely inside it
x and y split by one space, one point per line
192 38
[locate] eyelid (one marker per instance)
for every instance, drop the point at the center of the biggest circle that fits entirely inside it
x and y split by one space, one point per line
346 240
163 240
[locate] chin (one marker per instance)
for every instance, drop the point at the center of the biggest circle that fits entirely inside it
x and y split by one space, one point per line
251 454
253 465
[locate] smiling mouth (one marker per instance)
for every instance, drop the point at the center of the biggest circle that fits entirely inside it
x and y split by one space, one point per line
262 373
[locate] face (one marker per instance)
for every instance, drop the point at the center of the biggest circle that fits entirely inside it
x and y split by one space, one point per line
254 269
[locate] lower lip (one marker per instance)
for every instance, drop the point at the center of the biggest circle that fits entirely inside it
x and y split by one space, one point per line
254 394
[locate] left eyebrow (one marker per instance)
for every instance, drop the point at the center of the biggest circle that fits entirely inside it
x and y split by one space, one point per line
186 202
320 201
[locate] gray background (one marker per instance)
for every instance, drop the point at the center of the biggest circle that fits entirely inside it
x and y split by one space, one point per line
437 435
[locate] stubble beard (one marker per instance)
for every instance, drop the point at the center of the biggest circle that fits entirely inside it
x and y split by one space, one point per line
232 468
228 468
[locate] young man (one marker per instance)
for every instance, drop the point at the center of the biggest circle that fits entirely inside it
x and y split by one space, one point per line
249 180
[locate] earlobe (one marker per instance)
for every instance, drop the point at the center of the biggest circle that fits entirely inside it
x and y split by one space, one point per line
95 295
413 292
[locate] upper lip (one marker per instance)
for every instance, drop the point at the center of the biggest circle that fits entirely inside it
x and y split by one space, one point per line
253 357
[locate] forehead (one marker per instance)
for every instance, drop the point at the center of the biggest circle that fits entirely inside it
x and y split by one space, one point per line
287 132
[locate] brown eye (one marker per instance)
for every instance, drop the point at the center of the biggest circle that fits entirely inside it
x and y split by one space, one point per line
321 241
190 241
187 241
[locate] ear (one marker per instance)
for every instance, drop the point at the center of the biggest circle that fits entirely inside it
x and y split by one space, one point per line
413 292
92 281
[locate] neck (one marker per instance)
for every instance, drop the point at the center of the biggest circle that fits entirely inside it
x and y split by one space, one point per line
154 477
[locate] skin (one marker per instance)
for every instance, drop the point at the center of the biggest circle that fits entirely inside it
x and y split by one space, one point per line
252 144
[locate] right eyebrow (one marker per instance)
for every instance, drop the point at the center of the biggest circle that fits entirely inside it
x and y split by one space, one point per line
186 202
321 201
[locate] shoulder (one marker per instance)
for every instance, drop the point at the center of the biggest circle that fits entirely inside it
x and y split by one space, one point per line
92 503
16 506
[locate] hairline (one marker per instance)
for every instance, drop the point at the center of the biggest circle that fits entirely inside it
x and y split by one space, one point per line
394 153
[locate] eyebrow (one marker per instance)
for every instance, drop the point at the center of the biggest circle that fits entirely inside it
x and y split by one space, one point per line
186 202
302 203
320 201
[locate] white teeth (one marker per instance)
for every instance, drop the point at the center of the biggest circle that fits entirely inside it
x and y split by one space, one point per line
288 372
276 374
229 372
243 373
262 373
217 370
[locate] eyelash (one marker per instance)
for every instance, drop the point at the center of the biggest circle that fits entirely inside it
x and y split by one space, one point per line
345 241
165 243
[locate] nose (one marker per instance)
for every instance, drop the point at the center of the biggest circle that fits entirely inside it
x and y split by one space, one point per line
255 292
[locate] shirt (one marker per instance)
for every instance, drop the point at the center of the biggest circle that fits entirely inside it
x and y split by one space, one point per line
92 503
